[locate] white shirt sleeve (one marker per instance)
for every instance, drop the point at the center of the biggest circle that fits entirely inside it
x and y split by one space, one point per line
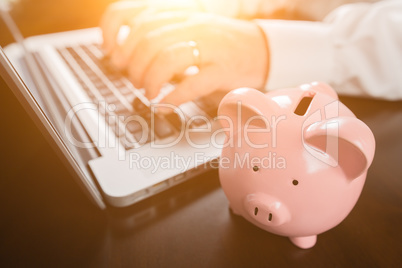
357 49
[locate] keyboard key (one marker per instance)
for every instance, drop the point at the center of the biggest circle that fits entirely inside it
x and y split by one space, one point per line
100 85
133 126
146 115
175 120
197 122
111 120
139 136
117 83
119 108
128 141
130 97
117 130
207 106
103 90
124 115
128 146
90 95
125 90
139 106
162 128
111 99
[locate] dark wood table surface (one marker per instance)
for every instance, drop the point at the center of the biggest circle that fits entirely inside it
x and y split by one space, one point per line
46 221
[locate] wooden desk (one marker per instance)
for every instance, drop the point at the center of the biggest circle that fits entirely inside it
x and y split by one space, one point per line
46 221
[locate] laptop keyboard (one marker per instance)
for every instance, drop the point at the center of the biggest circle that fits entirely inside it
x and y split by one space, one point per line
121 103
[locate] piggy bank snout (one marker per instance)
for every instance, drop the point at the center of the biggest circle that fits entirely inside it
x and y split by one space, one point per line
266 210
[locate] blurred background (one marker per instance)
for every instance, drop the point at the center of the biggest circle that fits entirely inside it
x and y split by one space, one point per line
36 17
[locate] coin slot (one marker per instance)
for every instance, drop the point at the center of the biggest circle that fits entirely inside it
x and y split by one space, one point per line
303 105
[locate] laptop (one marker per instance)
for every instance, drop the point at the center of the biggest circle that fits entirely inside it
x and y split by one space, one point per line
120 149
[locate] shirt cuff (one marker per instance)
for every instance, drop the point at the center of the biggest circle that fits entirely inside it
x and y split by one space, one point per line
299 52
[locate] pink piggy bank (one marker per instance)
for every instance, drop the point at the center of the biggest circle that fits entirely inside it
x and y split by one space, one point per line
294 160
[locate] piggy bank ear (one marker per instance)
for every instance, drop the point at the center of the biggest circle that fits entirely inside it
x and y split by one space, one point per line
243 106
320 87
346 141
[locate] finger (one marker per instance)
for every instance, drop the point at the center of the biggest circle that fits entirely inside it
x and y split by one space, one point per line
141 26
154 42
201 84
115 16
170 63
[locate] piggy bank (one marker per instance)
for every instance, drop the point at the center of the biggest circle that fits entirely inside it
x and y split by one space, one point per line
294 160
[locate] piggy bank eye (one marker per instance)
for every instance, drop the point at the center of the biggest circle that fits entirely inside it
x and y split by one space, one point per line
295 182
255 168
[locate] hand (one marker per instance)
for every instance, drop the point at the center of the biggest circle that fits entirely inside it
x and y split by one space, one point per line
232 53
128 12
